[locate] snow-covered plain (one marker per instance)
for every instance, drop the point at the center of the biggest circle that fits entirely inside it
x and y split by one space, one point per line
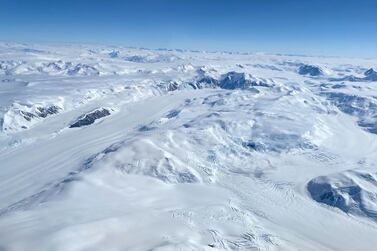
109 148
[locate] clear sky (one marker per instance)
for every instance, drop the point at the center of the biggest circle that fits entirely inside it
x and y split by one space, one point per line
319 27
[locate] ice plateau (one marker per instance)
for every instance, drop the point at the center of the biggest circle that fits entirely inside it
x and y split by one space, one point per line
113 148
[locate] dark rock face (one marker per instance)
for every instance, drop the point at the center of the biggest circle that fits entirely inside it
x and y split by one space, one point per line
84 68
172 86
169 86
173 113
114 54
7 66
27 115
344 191
234 80
229 81
43 112
324 193
369 124
310 70
370 72
253 146
204 82
351 104
365 109
136 59
207 82
90 118
370 75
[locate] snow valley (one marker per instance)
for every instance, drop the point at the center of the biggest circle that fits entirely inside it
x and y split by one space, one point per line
111 148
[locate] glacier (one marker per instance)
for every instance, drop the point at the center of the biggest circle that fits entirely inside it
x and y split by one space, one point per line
116 148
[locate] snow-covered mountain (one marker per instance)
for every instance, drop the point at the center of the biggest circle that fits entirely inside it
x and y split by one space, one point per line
111 148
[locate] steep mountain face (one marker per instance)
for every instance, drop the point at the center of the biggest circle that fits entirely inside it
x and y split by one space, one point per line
310 70
370 75
134 149
353 192
90 118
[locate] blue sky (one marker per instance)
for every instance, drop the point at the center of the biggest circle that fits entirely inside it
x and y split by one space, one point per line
321 27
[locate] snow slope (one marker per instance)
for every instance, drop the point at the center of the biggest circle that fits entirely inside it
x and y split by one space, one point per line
111 148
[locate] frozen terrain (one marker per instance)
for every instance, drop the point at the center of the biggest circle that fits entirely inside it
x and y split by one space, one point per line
110 148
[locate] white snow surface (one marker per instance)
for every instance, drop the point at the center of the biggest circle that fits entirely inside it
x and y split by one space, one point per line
112 148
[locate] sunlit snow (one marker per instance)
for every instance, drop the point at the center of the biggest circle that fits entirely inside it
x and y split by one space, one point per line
110 148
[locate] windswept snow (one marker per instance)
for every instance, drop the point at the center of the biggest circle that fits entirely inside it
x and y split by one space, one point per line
111 148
